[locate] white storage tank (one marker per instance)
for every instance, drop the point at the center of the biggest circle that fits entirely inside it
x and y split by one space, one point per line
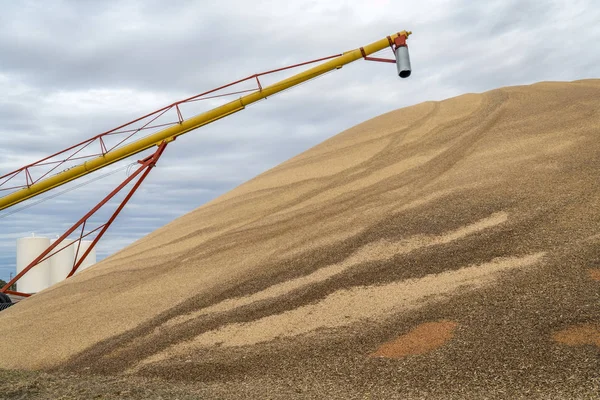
61 263
90 259
38 278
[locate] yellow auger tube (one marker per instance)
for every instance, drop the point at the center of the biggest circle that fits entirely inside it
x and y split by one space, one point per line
189 124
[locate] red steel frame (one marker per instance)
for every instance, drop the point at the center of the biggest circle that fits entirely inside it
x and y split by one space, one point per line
143 170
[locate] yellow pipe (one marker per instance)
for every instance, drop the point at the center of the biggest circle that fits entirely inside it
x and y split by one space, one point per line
189 124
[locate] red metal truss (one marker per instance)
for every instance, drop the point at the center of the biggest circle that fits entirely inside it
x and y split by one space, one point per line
143 170
98 145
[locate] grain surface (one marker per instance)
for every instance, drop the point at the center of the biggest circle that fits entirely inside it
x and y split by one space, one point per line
424 338
482 211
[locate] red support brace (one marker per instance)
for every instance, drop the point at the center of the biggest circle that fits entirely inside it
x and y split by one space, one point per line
153 159
400 41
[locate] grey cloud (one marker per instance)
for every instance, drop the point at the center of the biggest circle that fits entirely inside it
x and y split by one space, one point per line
171 49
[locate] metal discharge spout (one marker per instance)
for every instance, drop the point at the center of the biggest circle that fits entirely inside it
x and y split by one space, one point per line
403 62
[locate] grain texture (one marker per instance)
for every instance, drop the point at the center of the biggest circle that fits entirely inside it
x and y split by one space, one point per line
480 213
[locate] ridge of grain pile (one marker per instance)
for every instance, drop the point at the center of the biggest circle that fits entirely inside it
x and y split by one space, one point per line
480 211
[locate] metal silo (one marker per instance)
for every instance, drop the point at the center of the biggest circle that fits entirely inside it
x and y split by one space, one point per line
61 263
38 278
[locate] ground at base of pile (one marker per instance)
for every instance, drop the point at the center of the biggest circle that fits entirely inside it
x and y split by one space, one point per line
41 386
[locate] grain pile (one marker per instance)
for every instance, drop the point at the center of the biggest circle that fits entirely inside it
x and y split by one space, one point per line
450 248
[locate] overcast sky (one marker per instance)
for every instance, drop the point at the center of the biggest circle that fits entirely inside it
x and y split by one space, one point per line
72 69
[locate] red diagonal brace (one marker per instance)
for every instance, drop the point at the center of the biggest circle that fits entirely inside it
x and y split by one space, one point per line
147 165
386 60
400 41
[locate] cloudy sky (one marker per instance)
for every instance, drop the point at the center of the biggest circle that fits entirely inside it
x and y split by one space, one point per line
73 69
